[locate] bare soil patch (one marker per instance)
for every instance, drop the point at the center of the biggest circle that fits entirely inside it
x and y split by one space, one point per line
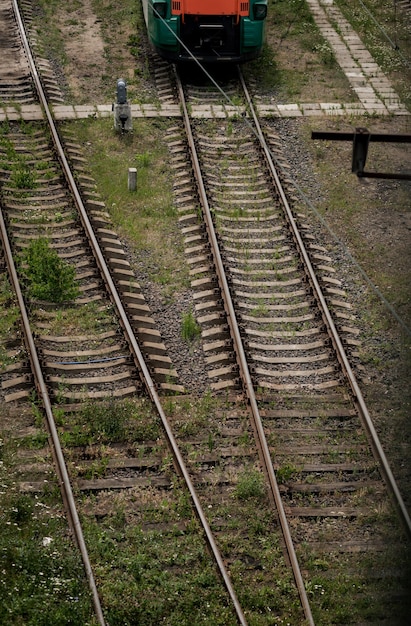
307 78
84 48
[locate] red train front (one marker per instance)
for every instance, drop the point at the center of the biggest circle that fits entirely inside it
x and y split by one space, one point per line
207 30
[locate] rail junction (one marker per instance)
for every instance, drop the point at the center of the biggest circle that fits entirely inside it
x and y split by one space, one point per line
276 326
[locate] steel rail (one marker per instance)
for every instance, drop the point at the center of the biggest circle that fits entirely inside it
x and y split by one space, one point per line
242 362
65 484
132 341
335 338
64 480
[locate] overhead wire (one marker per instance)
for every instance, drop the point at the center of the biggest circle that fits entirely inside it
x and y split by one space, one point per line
394 45
242 112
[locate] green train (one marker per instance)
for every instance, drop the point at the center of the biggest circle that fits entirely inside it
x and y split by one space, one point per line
210 31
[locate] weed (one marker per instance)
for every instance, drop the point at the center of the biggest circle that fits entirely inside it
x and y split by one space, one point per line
260 310
143 160
250 484
190 330
205 406
285 473
35 442
135 44
4 128
49 277
326 53
169 406
109 422
185 507
23 177
106 419
244 439
22 509
96 469
37 414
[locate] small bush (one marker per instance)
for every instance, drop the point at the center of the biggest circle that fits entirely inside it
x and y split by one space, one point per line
50 278
250 485
23 177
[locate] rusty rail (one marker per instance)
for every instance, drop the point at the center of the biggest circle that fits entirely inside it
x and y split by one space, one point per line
243 365
333 333
137 355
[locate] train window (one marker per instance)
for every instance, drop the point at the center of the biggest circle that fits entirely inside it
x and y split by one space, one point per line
260 11
160 9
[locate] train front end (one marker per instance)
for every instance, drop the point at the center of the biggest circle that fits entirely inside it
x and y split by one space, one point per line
211 31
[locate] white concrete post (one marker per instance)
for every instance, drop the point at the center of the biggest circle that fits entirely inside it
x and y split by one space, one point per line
132 178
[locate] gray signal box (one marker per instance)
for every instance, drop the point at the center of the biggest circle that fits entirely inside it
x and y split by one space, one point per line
121 108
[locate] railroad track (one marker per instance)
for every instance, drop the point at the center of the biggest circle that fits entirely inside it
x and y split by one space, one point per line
321 438
36 216
16 83
63 363
47 211
306 390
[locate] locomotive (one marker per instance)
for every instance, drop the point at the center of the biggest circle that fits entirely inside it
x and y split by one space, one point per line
209 31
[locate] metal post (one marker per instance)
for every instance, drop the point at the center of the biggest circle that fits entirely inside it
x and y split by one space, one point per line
360 150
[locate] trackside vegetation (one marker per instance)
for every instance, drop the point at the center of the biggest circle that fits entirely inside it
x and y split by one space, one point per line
42 580
162 572
49 277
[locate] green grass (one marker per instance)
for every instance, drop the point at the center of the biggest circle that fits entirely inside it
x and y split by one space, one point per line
146 218
9 316
88 318
42 579
165 577
339 598
110 422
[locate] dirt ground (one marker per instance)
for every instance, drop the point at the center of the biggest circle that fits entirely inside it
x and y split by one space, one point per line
84 48
96 55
